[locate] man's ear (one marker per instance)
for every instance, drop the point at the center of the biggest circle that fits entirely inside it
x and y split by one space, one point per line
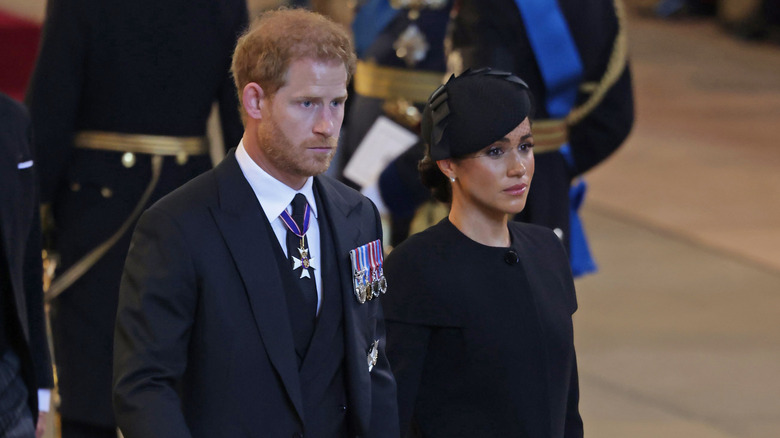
253 100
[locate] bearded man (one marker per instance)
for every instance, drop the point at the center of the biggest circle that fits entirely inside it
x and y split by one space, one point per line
241 310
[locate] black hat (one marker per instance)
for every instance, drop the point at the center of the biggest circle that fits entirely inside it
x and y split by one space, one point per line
472 111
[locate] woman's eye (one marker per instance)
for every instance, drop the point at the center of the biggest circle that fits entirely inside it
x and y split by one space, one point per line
494 152
525 146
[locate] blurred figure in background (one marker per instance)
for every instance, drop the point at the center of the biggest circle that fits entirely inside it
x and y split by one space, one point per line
24 352
760 22
120 98
680 8
400 46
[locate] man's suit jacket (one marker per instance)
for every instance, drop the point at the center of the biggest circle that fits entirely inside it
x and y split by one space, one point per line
21 240
203 345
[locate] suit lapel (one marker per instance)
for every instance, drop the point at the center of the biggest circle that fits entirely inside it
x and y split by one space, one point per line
241 222
345 229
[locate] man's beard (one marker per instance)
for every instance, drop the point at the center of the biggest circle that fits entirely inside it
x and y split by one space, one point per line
288 158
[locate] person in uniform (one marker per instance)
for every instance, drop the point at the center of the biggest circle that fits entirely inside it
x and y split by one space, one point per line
25 366
244 307
572 54
400 46
478 308
119 98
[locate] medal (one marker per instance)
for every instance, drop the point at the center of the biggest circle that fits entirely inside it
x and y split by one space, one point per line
373 251
365 270
411 45
379 280
373 355
357 276
368 278
305 259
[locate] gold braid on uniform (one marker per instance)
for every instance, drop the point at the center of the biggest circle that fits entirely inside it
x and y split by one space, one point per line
64 281
615 67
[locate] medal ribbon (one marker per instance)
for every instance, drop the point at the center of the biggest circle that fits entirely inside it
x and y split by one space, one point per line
292 226
364 262
372 258
378 256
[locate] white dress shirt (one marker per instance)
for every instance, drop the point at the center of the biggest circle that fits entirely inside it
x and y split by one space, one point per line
275 196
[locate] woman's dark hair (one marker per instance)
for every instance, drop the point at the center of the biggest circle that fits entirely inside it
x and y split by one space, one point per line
433 178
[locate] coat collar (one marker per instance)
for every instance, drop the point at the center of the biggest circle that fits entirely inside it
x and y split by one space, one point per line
240 219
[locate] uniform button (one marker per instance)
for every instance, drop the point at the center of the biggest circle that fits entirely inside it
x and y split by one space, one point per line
106 192
128 159
75 187
343 408
181 158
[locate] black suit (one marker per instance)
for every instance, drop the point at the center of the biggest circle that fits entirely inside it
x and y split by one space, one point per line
141 67
203 342
21 291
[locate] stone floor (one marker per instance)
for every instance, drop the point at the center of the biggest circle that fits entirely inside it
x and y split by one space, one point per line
679 333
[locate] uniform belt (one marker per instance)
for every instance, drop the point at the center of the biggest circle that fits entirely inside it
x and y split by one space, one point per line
141 143
549 135
379 82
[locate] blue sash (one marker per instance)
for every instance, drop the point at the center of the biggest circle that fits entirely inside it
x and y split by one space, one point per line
369 21
561 68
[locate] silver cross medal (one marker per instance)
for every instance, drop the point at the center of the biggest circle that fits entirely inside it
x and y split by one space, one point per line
304 261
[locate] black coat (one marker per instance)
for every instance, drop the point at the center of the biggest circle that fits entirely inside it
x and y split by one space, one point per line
139 67
20 239
481 344
203 340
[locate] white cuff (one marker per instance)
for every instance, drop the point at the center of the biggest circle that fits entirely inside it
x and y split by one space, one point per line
44 400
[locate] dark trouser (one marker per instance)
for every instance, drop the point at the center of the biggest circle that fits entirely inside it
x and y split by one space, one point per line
15 417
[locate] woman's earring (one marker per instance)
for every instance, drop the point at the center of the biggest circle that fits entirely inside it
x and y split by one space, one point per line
452 179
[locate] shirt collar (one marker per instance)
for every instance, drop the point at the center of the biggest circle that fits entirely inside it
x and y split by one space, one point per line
274 196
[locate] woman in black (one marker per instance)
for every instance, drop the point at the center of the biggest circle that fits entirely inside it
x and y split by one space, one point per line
478 310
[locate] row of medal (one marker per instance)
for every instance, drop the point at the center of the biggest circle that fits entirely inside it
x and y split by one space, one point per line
367 275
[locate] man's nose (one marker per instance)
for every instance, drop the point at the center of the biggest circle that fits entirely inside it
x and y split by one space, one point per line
326 123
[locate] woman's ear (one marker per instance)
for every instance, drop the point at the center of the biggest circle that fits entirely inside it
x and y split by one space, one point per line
253 100
447 167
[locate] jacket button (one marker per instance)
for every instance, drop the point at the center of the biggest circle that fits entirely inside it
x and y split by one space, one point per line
128 159
106 192
343 408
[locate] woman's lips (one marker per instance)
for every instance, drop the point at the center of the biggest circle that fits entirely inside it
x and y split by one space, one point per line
517 189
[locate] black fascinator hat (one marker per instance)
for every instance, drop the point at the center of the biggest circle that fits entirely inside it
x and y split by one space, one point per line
473 110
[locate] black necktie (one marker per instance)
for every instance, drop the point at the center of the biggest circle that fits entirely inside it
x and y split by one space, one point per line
302 302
